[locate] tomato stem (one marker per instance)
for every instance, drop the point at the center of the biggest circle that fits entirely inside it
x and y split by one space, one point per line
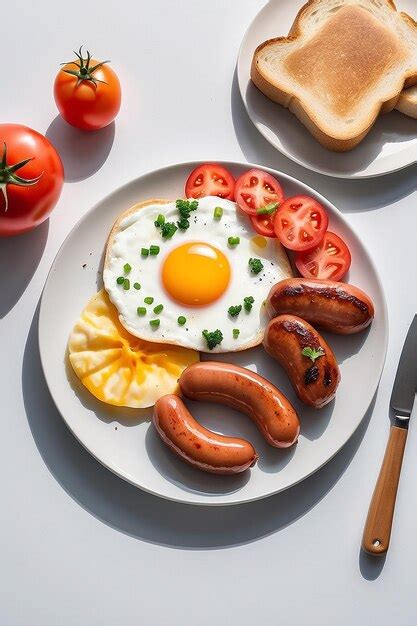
8 176
84 71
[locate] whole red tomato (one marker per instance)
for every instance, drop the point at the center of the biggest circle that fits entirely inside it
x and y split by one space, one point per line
31 178
87 92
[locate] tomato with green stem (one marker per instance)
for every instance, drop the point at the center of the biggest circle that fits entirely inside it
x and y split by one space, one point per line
31 179
87 92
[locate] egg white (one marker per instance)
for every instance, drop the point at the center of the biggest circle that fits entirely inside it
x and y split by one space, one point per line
138 231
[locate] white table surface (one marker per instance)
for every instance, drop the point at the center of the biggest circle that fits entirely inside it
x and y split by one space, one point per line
80 546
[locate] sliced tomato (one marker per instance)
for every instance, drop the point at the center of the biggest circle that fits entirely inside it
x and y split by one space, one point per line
329 260
300 223
210 179
255 189
263 224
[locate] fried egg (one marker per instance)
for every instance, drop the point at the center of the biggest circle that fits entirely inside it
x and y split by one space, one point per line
118 368
179 289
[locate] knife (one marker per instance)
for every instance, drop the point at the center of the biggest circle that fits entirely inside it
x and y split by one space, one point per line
377 532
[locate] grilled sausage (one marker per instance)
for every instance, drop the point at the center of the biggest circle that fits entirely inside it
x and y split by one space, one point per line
337 307
245 391
197 445
315 381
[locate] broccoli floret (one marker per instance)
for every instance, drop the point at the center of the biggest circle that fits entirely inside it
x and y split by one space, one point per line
213 338
256 266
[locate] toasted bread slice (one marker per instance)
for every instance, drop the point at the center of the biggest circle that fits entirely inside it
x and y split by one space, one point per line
407 103
343 63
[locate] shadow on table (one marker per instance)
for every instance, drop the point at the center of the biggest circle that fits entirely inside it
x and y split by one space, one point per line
19 258
146 517
348 195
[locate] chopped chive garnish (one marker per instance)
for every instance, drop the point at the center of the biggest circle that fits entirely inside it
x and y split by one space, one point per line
141 310
181 320
159 220
148 300
158 309
120 280
144 252
127 268
154 323
154 250
268 209
218 212
233 241
236 333
126 284
136 285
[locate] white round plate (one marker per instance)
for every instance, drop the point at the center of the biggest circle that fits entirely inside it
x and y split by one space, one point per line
391 145
124 440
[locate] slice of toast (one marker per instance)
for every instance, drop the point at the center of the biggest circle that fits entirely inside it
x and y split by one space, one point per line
343 63
407 103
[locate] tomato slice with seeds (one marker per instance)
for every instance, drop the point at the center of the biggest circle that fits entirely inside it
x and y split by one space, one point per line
263 224
255 189
210 179
330 260
300 223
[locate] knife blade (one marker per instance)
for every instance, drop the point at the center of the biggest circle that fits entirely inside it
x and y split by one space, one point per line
378 526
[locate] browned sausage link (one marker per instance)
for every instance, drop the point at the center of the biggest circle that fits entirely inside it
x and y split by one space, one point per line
315 382
197 445
248 392
337 307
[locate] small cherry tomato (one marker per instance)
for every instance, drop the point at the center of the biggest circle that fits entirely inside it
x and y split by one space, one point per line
330 260
31 179
210 179
300 223
263 224
256 189
87 92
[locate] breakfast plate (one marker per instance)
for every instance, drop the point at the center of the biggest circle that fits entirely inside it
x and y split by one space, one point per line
123 439
391 144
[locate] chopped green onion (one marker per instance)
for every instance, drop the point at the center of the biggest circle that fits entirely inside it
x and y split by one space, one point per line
141 310
136 285
126 284
120 280
154 323
158 309
148 300
268 209
159 220
144 252
127 268
154 250
181 320
218 212
233 241
236 333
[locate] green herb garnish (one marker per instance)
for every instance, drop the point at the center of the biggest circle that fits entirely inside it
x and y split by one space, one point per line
184 208
120 280
236 333
268 209
168 230
141 310
255 265
213 338
183 223
312 353
136 285
159 220
247 303
148 300
234 310
127 268
218 212
126 284
233 241
154 250
144 252
154 323
181 320
158 309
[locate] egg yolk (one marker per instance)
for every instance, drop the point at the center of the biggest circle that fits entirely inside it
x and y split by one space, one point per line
195 274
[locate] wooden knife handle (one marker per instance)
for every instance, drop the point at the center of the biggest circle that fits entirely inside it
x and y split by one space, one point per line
377 532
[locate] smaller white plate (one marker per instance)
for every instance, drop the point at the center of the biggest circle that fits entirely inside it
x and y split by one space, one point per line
391 145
